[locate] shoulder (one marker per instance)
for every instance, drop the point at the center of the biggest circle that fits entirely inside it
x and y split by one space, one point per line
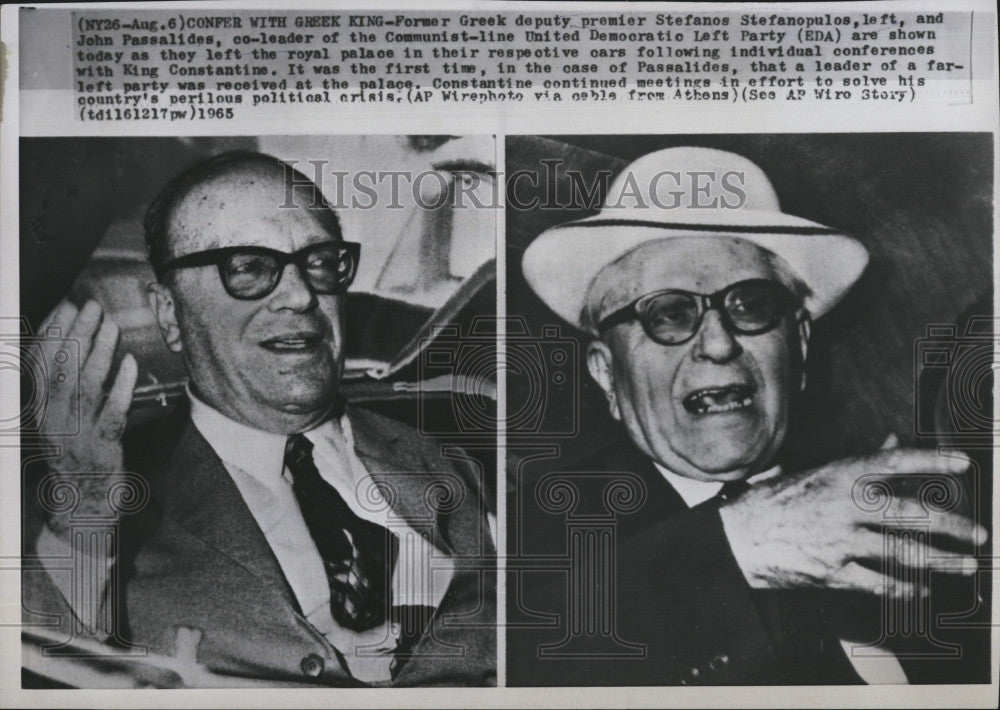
380 434
153 449
368 424
428 479
376 435
618 482
619 461
407 448
147 442
621 455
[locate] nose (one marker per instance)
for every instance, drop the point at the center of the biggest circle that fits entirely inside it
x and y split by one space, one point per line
292 292
713 341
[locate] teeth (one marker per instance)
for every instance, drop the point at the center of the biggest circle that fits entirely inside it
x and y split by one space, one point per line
289 344
728 407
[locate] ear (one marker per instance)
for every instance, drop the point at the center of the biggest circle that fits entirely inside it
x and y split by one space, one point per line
161 300
805 329
600 362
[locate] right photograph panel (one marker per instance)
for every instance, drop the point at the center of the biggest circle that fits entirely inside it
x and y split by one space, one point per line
749 409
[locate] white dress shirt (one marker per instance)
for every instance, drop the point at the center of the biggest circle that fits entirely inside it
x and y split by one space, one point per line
876 666
695 492
255 461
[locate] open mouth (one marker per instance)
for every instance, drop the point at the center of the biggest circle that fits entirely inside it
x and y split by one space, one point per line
716 400
299 342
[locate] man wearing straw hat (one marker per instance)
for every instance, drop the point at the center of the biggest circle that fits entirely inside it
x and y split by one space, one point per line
699 294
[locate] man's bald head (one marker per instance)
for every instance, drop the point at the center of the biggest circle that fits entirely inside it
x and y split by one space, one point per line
272 361
249 169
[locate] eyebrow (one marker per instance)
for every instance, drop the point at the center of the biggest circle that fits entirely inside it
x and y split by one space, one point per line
326 238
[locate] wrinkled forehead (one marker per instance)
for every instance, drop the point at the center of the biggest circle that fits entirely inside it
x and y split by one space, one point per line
249 206
699 264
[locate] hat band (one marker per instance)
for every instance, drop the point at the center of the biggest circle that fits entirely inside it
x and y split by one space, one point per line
698 227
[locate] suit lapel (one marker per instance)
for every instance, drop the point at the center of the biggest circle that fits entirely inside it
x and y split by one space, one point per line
402 475
661 498
202 497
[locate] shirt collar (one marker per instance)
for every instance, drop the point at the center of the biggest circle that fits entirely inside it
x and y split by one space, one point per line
260 454
695 492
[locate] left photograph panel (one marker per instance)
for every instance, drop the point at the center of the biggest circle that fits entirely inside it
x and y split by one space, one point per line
258 411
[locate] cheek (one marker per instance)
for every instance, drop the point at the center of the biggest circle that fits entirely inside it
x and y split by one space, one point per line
333 310
644 380
215 323
777 365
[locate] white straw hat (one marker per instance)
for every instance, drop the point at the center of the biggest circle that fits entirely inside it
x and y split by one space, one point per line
689 192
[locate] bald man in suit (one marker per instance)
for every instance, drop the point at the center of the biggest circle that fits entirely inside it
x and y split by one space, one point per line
305 541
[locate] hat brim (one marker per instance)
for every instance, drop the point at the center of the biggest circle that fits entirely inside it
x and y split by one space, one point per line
562 262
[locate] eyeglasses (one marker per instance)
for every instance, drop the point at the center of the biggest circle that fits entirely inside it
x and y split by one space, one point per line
251 272
673 316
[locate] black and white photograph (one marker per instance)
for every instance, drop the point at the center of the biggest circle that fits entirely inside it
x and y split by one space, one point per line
244 463
499 354
762 445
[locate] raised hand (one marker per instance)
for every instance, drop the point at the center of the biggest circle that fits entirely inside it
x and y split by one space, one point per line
808 530
77 400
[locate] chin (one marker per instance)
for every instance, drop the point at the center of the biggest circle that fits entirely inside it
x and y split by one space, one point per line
718 461
725 469
302 400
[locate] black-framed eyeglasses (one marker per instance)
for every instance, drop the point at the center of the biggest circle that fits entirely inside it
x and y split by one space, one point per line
673 316
251 272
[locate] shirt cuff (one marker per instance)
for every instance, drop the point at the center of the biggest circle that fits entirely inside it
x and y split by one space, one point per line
81 574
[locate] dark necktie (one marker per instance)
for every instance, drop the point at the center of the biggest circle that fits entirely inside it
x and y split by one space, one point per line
358 555
732 489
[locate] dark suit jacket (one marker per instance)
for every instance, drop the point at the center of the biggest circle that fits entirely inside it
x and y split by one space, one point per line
664 601
195 557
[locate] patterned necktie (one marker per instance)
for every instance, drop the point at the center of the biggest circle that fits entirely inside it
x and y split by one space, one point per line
358 555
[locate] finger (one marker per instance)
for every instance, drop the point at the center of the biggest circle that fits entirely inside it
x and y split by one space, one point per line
958 526
63 363
186 645
868 544
67 360
917 513
115 411
910 552
51 338
98 363
891 442
61 317
909 461
913 516
54 329
85 326
853 577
